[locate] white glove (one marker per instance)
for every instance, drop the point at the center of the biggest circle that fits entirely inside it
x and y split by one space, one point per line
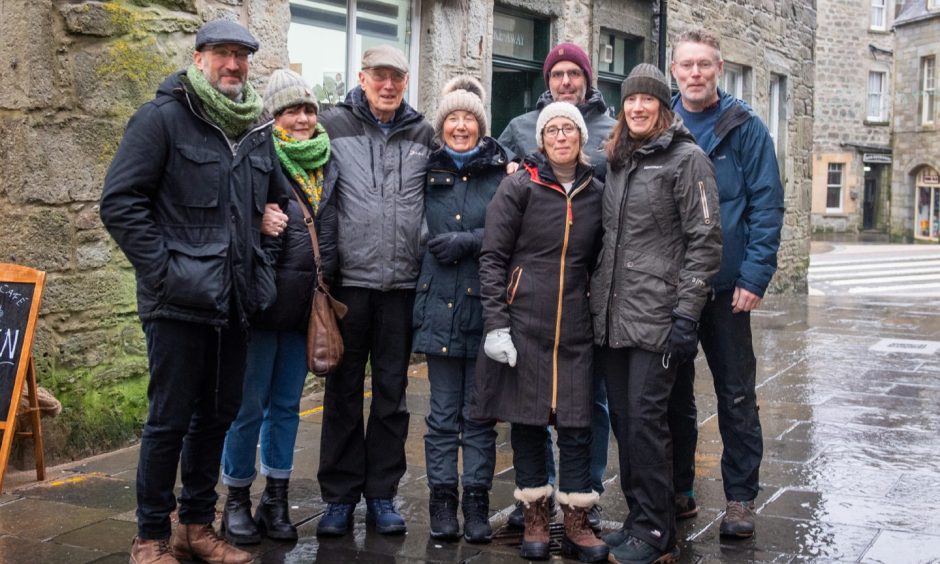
498 346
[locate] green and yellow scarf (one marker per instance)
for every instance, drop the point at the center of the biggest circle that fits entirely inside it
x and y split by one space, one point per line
304 160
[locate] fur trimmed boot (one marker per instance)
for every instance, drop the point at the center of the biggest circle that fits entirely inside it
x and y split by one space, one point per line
536 537
579 541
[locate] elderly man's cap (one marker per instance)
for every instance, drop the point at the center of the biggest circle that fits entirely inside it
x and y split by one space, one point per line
225 31
385 56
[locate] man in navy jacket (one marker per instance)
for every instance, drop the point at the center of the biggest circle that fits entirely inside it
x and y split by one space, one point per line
751 208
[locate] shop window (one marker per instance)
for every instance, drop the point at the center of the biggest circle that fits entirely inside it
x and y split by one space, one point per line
617 56
326 39
928 87
877 96
927 193
520 45
834 180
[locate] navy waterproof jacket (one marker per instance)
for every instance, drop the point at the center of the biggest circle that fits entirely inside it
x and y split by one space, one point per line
750 197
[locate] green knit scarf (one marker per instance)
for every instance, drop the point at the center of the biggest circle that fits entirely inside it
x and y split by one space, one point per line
233 117
304 160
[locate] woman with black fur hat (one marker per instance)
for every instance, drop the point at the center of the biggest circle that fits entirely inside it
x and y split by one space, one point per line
463 173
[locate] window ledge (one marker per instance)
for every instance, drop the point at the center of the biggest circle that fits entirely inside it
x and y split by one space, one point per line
877 122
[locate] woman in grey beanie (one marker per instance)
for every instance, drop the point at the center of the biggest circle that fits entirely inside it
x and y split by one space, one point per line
463 173
661 245
276 357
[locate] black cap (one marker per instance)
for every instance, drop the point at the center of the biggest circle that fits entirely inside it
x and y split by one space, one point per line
224 31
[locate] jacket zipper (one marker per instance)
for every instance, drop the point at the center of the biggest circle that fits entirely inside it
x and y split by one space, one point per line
569 219
701 189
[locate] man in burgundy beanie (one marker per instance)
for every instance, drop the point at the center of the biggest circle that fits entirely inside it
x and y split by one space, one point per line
569 75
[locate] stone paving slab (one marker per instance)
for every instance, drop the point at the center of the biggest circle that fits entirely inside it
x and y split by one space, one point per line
849 473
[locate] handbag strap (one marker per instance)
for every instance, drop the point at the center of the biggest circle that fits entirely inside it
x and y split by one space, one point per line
308 220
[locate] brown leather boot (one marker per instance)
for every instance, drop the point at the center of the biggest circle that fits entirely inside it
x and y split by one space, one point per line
156 551
579 541
536 538
200 541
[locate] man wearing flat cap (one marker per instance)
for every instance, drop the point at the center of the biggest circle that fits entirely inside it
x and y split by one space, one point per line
183 198
380 145
568 74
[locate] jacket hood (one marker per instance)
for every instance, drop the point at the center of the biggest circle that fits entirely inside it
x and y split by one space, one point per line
491 154
593 102
734 112
357 102
675 133
173 85
541 170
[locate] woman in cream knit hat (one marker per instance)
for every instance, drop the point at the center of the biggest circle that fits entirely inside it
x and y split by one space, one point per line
463 173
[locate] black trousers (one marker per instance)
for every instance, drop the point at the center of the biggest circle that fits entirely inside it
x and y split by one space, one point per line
195 390
726 341
358 460
638 386
530 457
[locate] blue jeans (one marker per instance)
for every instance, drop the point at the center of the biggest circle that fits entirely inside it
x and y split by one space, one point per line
274 380
600 433
450 427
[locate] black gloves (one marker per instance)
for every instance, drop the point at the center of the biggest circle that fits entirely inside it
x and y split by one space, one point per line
449 248
683 339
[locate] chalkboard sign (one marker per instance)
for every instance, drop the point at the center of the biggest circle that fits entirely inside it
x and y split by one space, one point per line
20 293
16 300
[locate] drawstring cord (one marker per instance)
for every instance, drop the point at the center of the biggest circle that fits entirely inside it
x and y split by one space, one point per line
665 361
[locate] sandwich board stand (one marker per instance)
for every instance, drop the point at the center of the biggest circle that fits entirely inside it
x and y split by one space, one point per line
20 294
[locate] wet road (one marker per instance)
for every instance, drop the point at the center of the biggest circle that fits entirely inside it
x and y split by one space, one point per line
850 404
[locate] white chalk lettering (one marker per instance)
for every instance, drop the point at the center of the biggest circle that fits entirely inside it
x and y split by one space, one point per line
17 298
8 344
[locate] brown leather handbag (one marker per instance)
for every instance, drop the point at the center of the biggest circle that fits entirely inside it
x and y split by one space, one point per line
324 340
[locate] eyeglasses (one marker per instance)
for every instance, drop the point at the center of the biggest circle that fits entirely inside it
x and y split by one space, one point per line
241 55
565 130
382 76
573 74
704 65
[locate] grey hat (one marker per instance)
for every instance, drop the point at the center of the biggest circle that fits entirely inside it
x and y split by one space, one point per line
646 79
286 89
224 31
560 109
385 56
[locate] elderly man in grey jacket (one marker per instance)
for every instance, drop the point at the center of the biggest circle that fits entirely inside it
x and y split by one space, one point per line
568 74
380 146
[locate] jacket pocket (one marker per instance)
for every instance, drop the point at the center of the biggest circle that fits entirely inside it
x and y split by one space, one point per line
197 276
421 300
471 311
650 286
261 167
197 172
515 278
265 286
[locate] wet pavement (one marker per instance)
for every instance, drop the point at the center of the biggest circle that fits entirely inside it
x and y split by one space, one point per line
849 389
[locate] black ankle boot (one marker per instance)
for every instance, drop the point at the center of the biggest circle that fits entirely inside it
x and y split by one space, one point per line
272 515
237 524
476 515
443 509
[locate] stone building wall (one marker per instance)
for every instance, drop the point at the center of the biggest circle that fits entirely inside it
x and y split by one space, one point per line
914 145
847 49
772 37
71 74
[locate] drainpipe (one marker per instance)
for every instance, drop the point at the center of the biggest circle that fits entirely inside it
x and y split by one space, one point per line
663 13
